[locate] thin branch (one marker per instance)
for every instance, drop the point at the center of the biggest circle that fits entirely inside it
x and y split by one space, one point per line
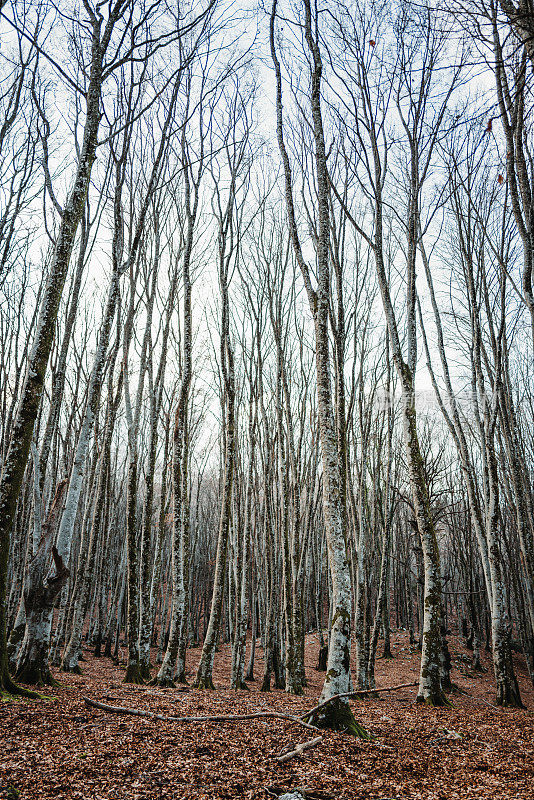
357 694
42 52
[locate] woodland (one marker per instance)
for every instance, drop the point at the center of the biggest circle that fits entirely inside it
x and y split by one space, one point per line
266 399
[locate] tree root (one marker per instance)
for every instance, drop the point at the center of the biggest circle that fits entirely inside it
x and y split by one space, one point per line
204 683
435 701
240 686
146 671
36 676
9 690
163 683
337 715
133 674
357 693
75 670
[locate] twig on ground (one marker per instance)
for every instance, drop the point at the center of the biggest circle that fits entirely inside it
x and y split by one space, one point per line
300 748
499 709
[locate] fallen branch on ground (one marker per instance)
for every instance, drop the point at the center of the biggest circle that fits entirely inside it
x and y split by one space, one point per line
300 748
137 712
356 694
300 720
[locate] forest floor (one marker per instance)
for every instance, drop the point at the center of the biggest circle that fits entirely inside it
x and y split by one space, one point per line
61 749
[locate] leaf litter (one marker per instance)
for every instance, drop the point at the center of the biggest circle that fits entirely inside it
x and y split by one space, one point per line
61 749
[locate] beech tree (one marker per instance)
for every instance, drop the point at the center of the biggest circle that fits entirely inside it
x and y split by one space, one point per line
103 58
337 714
228 204
280 403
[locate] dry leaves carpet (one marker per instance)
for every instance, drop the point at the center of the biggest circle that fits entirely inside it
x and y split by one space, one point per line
59 749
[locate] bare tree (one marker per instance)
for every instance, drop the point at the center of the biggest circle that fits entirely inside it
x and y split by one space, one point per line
336 714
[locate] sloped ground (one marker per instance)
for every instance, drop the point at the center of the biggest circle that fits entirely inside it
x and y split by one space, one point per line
64 749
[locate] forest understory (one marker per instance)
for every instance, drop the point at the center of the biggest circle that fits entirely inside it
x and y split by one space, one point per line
62 749
266 368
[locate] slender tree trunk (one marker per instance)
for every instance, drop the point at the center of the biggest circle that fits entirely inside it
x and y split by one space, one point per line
180 483
336 714
17 456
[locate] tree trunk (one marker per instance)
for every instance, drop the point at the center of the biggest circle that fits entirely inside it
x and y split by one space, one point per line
17 457
40 593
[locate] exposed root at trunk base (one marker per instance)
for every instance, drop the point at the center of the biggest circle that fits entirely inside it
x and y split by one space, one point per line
509 697
36 675
133 674
74 670
436 699
337 716
240 686
146 671
205 682
9 690
335 712
294 689
163 683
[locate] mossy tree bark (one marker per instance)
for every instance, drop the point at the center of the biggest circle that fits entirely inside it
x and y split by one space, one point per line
71 656
151 571
237 676
430 687
185 555
133 667
101 31
381 606
134 670
17 457
508 693
405 356
204 676
293 678
270 644
145 623
40 593
485 521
